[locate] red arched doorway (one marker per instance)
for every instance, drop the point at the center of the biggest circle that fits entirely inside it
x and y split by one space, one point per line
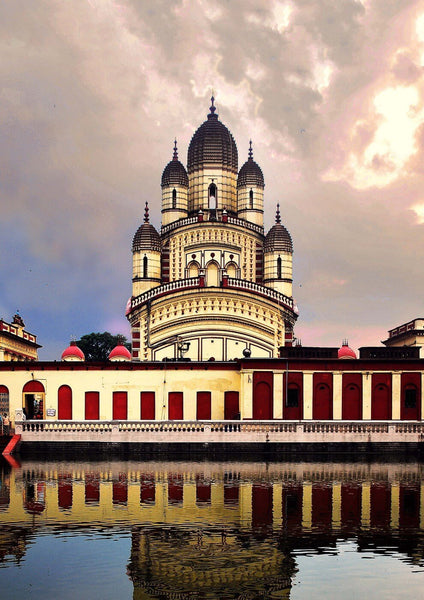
381 398
410 405
262 395
64 403
352 396
33 400
323 402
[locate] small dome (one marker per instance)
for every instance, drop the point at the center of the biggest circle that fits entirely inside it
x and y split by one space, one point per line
72 352
120 353
250 173
213 144
345 352
146 237
278 238
174 173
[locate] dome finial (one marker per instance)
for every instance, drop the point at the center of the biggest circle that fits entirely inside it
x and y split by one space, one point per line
146 213
250 150
212 107
277 215
175 157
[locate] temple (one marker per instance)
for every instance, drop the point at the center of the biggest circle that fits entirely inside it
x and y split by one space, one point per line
211 285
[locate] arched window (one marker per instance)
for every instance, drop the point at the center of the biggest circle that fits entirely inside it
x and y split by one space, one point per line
212 275
193 269
145 267
64 402
174 198
4 400
279 267
231 269
251 199
213 194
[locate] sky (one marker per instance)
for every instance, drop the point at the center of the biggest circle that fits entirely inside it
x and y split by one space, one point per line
93 93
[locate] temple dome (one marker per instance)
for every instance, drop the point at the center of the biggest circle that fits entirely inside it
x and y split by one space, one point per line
72 352
213 144
174 173
345 352
146 237
120 353
250 173
278 239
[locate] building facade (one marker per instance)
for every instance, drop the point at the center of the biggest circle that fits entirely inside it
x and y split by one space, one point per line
211 285
16 343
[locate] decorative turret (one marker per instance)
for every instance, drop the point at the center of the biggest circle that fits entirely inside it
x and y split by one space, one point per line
278 257
345 352
120 353
250 191
174 190
146 249
212 162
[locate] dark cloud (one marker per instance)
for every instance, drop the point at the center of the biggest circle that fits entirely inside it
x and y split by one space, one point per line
93 94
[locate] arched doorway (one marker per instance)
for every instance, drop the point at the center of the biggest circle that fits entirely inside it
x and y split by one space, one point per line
323 405
4 400
351 402
262 395
381 402
212 274
64 403
33 400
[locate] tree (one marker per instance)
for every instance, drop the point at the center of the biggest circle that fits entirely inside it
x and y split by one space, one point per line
97 346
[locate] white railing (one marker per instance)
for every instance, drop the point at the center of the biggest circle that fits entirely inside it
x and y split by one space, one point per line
276 431
194 282
166 288
231 220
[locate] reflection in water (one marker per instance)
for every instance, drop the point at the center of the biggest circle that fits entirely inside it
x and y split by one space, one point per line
216 529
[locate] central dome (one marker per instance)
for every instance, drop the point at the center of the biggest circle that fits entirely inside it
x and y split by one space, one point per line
212 144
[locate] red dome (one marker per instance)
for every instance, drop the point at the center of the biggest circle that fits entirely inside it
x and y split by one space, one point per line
120 352
73 352
346 352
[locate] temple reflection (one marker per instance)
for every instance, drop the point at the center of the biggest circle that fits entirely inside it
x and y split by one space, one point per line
218 529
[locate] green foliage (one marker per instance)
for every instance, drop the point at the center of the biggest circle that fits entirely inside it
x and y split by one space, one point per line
97 346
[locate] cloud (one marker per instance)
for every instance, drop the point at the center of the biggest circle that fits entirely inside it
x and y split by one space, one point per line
94 93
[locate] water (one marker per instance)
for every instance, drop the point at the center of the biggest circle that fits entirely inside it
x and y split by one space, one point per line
246 530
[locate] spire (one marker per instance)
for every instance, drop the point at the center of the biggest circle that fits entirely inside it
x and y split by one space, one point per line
250 150
277 215
212 108
175 157
146 213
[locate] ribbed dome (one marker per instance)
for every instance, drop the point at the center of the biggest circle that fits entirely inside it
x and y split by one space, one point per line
174 173
212 143
250 173
278 238
146 237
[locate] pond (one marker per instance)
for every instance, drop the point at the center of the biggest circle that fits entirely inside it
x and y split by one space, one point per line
205 529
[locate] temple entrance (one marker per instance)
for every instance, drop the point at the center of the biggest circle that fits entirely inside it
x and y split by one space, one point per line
262 395
33 400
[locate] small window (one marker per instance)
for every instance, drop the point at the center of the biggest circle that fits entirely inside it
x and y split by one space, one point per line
212 196
279 267
411 398
251 199
174 198
293 397
145 267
